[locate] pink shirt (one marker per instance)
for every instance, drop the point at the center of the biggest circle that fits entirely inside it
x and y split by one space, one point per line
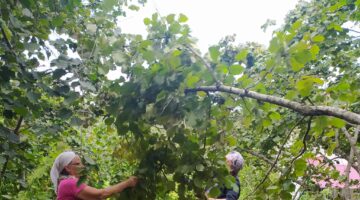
68 189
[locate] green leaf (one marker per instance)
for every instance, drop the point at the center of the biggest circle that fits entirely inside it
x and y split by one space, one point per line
236 69
182 18
266 123
170 18
331 133
177 52
192 80
109 121
57 21
33 96
119 56
200 167
275 116
9 135
295 26
335 27
214 53
305 85
21 110
318 38
338 123
222 68
26 12
147 21
134 7
331 148
275 45
314 50
231 140
214 192
58 73
91 28
300 167
241 55
75 121
87 86
89 160
291 94
6 29
198 183
296 66
109 5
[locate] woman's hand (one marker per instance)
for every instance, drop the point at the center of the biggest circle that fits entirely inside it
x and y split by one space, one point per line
132 181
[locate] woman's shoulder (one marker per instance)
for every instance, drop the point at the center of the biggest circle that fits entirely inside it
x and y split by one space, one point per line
70 186
68 183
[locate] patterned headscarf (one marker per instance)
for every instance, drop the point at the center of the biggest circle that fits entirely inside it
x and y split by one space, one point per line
237 161
59 164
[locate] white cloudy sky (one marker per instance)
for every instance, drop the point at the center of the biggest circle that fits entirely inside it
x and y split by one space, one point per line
211 20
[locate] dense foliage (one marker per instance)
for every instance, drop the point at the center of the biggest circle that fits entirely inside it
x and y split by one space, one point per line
173 113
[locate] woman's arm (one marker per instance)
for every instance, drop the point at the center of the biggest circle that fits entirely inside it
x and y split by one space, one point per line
91 193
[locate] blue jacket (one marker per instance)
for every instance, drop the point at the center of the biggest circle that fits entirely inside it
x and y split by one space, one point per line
230 194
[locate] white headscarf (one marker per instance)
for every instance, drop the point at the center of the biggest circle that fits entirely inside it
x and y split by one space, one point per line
59 164
237 161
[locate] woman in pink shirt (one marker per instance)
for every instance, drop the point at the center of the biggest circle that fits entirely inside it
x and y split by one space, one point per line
65 175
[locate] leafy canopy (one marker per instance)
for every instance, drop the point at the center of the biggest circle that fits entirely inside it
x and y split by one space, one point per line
173 113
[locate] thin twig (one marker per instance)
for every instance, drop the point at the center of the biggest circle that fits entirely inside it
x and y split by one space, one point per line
352 30
166 105
277 158
18 125
262 157
304 143
245 104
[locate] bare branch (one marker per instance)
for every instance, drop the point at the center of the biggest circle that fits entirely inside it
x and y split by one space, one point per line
298 107
303 150
347 192
18 125
353 141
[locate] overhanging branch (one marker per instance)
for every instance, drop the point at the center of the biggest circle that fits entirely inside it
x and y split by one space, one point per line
306 110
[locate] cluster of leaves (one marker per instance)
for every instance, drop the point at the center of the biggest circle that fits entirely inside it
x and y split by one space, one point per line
174 141
39 104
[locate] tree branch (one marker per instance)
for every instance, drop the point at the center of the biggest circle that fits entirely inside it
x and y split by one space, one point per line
298 107
353 141
18 125
347 192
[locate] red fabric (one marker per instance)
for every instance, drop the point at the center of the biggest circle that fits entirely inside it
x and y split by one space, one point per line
68 189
